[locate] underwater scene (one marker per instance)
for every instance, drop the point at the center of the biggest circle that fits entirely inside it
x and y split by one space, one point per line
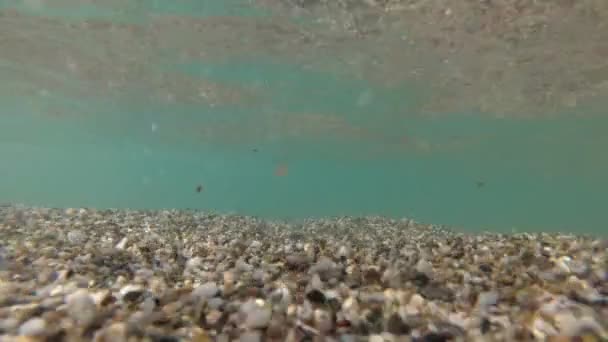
303 170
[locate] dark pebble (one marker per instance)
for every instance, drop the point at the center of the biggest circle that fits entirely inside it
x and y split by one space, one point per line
486 268
437 292
158 338
297 262
420 279
374 321
372 276
317 297
434 337
450 330
397 326
132 296
485 326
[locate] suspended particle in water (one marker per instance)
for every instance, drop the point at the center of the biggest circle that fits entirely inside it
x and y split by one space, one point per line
199 188
254 150
281 170
480 184
154 127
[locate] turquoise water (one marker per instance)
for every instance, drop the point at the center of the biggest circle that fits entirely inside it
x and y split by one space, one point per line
342 156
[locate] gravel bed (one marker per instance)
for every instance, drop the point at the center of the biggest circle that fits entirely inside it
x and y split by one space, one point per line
125 275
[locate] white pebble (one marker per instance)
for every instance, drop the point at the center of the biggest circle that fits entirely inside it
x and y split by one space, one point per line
343 252
425 267
194 263
251 336
376 338
122 244
33 327
487 299
258 318
131 289
316 282
76 237
81 307
242 266
323 321
206 291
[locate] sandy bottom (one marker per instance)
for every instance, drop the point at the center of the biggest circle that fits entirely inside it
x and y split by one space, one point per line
120 275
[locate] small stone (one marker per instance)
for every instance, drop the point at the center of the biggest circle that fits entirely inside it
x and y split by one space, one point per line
376 338
276 328
33 327
437 292
24 312
242 266
81 307
199 335
116 332
372 275
343 252
324 267
194 263
316 297
375 298
102 298
251 336
397 326
258 318
485 268
206 291
417 301
420 279
122 244
487 299
347 338
305 312
9 324
485 325
424 267
258 277
316 282
434 337
131 292
450 330
213 317
297 261
323 321
77 237
215 303
581 326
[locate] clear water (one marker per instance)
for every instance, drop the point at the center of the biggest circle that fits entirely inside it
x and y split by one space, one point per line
277 133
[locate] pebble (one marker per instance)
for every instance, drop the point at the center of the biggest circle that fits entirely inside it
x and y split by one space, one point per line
33 327
81 307
206 291
396 325
131 292
77 237
425 267
487 299
258 318
122 244
251 336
